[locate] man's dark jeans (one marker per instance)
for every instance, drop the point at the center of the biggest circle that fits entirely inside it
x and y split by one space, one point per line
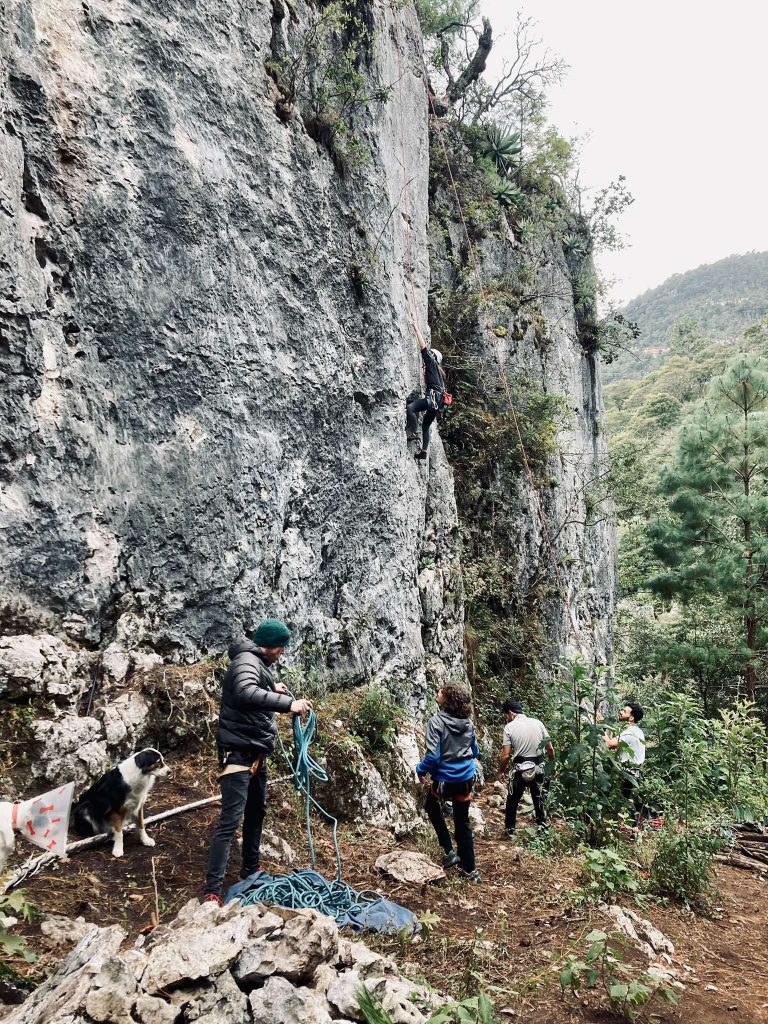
630 790
514 796
464 845
243 796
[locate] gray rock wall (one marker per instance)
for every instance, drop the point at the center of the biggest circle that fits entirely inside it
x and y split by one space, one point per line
556 531
202 421
206 351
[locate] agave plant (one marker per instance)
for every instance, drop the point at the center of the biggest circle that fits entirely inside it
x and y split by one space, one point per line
502 146
574 245
505 192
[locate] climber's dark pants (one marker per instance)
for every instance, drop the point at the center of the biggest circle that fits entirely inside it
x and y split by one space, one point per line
412 410
243 796
464 845
515 795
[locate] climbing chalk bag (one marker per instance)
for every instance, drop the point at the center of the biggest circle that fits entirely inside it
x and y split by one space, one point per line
528 770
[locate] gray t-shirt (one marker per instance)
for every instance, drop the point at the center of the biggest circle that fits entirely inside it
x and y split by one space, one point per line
634 737
527 736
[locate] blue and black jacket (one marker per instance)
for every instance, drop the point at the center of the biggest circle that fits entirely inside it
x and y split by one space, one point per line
451 749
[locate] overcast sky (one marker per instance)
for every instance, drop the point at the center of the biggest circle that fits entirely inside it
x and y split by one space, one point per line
672 94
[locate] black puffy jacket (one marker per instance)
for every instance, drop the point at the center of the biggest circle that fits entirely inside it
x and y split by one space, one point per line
248 702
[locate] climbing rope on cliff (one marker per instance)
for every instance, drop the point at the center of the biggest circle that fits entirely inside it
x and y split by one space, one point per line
573 621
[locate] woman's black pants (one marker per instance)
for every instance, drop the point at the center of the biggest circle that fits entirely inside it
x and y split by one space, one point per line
465 847
411 412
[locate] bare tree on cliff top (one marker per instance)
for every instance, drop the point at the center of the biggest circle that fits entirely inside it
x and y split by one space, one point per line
463 42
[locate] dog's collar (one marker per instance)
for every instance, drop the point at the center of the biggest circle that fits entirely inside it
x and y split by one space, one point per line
15 816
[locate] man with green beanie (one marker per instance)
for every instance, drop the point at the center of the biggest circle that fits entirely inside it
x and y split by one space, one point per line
247 731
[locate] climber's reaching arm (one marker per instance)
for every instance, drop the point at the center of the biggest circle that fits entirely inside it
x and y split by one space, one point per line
419 336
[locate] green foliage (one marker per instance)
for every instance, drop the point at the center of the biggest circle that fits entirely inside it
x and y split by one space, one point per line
705 768
435 15
615 334
372 1010
715 537
375 720
606 875
682 868
629 991
586 788
472 1010
324 77
16 904
718 301
503 147
506 192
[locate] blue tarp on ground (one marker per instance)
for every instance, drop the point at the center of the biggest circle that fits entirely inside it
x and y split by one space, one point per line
360 911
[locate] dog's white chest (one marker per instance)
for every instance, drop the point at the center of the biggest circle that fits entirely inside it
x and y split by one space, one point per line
138 795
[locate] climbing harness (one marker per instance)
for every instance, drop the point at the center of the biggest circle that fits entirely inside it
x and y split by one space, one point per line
574 626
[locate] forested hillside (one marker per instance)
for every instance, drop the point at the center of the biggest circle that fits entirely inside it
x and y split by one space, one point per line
716 301
678 437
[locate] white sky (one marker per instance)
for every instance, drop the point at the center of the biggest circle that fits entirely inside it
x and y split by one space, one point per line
673 95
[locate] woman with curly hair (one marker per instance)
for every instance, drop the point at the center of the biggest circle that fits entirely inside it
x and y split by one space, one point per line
449 758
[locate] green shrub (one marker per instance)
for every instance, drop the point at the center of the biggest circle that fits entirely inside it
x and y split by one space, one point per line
375 720
606 875
682 868
628 990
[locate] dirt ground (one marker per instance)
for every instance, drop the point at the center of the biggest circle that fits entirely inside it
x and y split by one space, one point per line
508 934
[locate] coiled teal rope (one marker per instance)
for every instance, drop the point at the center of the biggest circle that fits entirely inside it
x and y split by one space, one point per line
306 770
309 889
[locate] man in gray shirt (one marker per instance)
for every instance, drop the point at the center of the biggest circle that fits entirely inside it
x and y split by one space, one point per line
525 742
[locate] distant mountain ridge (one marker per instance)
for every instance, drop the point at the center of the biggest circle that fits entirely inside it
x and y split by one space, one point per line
722 299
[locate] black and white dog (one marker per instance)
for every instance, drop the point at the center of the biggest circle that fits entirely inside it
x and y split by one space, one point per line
118 798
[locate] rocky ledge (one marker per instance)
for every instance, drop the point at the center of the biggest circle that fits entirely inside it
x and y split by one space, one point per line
227 965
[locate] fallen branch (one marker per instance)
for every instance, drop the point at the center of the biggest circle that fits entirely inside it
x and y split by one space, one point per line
35 864
735 860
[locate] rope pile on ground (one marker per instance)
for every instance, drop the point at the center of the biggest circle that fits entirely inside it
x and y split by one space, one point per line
308 889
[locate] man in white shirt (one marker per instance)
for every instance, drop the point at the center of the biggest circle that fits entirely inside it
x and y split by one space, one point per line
631 746
525 742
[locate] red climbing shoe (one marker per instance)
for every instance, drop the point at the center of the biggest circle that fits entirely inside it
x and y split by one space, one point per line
213 898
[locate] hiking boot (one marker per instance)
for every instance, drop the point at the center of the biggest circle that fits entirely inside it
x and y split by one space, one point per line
421 454
508 833
471 876
450 860
410 436
213 897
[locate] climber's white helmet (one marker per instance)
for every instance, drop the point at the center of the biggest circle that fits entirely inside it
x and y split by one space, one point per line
437 354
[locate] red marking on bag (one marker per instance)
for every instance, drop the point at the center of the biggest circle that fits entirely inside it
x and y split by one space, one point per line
31 830
44 809
46 833
51 844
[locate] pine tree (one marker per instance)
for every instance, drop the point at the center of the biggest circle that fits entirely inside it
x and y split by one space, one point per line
714 542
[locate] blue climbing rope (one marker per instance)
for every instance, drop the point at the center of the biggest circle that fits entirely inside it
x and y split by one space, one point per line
307 770
309 889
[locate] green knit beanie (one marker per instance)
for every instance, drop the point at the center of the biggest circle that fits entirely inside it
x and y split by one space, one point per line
272 633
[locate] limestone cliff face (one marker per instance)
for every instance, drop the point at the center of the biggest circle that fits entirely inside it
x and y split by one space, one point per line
539 545
205 352
202 421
